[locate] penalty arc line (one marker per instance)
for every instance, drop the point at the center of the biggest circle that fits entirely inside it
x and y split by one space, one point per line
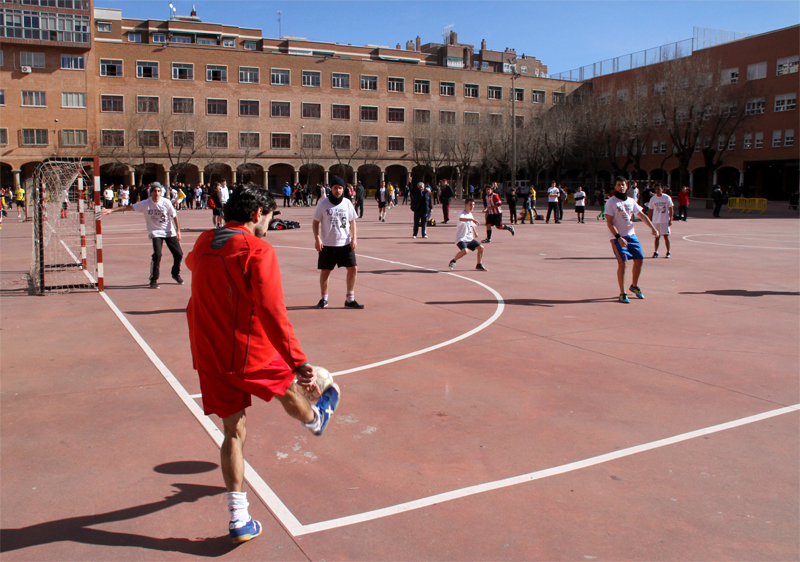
688 238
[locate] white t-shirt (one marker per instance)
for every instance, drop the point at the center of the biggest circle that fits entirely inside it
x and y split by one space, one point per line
464 228
108 195
124 195
224 194
157 217
65 196
580 198
660 207
552 195
622 212
334 227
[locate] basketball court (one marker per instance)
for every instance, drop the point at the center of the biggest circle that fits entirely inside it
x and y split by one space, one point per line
516 414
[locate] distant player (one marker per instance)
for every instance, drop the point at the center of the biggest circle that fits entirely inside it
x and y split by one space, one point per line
241 340
553 193
466 234
580 204
661 212
494 215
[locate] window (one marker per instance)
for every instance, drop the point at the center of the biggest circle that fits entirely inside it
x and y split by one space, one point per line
148 139
472 119
73 99
660 88
787 65
186 39
447 88
311 111
248 108
183 106
369 83
2 97
280 109
3 137
77 137
111 104
395 115
339 80
755 106
340 112
748 141
759 142
757 71
110 67
422 116
249 140
538 96
279 77
422 144
495 119
248 75
495 92
112 138
134 37
641 91
72 62
396 144
422 86
216 107
471 90
658 119
311 78
622 95
369 113
728 109
776 139
183 139
216 73
663 147
786 102
104 27
655 147
146 69
605 99
368 143
396 85
447 117
519 94
182 71
523 69
34 99
250 45
159 37
227 42
559 98
217 140
146 104
34 137
729 76
520 120
34 60
312 141
731 142
340 142
788 137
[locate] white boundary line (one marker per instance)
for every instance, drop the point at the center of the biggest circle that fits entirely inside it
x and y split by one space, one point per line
688 238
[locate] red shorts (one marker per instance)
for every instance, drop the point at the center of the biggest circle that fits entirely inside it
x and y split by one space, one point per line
226 394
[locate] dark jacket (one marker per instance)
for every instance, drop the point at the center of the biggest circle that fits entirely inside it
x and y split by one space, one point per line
421 202
446 193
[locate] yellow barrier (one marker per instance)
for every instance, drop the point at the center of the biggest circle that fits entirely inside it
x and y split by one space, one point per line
757 204
744 204
739 203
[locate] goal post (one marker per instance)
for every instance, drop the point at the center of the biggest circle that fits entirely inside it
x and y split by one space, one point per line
65 256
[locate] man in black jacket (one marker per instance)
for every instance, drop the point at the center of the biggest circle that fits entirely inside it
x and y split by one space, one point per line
445 194
420 205
359 202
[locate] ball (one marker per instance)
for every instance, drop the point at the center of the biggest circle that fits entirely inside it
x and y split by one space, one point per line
324 381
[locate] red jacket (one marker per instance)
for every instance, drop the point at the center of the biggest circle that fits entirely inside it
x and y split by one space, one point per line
683 198
237 317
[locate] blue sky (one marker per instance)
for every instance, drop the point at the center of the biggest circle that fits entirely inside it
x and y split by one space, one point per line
562 34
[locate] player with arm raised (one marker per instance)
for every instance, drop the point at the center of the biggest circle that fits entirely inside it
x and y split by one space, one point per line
466 234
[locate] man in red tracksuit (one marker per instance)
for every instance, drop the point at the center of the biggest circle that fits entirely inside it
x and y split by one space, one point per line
241 339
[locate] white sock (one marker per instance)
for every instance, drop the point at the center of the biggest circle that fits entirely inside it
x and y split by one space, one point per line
325 296
351 296
237 506
315 424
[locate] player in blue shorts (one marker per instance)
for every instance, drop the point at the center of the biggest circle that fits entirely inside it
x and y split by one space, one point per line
620 210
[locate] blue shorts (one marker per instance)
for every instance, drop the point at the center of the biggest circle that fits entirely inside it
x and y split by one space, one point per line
633 251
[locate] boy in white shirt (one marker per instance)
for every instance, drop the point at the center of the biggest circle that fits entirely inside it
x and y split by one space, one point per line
580 204
466 234
661 210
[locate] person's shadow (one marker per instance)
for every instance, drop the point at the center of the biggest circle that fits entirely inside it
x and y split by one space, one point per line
743 293
79 529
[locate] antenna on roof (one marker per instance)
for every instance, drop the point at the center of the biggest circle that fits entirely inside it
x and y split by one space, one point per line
279 25
446 34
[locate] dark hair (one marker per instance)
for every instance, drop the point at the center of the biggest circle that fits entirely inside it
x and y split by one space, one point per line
245 201
620 178
469 200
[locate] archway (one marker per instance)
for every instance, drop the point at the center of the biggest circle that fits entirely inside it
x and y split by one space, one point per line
115 173
217 171
370 176
659 175
675 180
343 171
148 173
421 174
728 177
185 173
699 177
278 175
250 173
6 175
639 175
26 171
397 174
312 175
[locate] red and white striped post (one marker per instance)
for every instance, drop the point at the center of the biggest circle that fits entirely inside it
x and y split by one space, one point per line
98 227
81 207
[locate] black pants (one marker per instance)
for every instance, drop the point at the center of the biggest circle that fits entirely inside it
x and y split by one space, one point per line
683 212
552 207
420 220
287 200
360 207
446 209
512 210
717 208
560 210
177 255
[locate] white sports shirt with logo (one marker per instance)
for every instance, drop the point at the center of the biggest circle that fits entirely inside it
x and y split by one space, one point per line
660 207
622 213
334 221
552 195
158 217
464 228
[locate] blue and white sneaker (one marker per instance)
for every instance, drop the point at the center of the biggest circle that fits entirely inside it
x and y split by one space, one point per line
242 531
326 406
636 291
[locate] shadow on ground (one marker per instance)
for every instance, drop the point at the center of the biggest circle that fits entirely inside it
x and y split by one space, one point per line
526 302
744 293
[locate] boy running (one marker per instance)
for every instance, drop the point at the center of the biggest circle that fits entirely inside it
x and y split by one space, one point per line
466 232
494 215
661 211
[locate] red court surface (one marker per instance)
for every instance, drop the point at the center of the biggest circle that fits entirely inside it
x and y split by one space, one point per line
516 414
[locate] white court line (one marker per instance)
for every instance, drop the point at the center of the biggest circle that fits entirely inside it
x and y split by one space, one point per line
688 238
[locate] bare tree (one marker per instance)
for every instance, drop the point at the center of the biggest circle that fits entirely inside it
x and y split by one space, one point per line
559 136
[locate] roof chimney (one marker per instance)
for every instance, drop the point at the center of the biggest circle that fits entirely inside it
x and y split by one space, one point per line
483 44
409 45
417 43
398 47
194 12
453 37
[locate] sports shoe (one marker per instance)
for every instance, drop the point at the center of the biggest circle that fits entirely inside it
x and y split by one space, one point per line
178 279
326 405
414 237
655 254
243 532
667 255
480 267
636 291
452 264
154 284
511 228
424 235
322 303
353 304
623 298
486 241
558 222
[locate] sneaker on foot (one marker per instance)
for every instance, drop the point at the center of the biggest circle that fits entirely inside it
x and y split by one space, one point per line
326 406
655 254
486 241
667 255
154 284
480 267
624 298
452 264
414 237
178 279
636 291
353 304
511 228
322 303
424 235
242 531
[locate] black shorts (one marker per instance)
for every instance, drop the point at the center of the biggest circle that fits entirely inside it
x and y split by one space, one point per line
381 205
64 205
494 220
332 256
20 203
579 208
472 245
215 212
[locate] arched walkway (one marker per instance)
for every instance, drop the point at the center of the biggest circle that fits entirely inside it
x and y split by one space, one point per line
250 173
396 174
700 182
184 173
218 171
659 175
115 173
278 175
6 175
312 174
728 176
343 171
370 176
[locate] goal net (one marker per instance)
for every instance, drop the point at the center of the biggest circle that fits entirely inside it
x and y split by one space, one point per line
64 253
